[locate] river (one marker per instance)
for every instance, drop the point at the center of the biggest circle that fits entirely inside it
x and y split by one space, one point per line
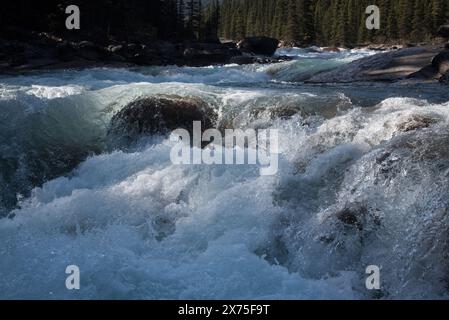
362 180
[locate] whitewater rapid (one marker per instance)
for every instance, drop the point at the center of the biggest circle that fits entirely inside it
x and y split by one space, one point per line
139 227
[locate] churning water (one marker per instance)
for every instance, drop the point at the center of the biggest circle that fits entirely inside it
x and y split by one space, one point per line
363 180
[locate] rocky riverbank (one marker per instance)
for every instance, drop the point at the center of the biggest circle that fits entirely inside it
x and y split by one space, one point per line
424 63
30 51
400 63
23 51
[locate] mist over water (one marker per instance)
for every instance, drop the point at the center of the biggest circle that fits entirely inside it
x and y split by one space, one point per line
362 180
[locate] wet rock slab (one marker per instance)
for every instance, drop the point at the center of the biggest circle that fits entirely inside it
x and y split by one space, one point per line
386 66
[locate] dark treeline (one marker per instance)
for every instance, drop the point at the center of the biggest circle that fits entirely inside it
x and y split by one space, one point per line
103 20
332 22
305 22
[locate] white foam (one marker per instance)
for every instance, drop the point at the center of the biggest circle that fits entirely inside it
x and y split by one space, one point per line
46 92
107 217
140 227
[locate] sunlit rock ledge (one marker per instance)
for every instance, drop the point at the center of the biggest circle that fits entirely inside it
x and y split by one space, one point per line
408 63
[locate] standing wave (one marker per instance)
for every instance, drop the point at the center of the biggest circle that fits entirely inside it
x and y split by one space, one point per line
360 187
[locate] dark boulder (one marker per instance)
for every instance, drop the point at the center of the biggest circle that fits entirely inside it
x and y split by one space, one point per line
445 79
243 60
133 53
133 48
165 48
18 60
434 71
198 57
12 54
331 49
258 45
160 114
426 73
117 49
352 215
443 31
206 54
65 51
441 62
247 59
89 51
138 54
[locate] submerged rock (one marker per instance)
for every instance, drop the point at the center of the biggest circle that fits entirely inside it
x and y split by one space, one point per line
202 57
416 122
441 62
89 51
443 31
160 114
426 73
435 70
243 59
258 45
352 215
445 79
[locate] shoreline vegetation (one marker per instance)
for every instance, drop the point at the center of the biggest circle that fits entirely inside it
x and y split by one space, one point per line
340 23
36 52
186 33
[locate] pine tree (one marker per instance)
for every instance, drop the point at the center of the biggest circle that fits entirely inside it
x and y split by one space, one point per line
293 30
327 22
418 21
438 9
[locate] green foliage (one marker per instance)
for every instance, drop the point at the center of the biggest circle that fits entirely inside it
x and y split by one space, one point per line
303 22
332 22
